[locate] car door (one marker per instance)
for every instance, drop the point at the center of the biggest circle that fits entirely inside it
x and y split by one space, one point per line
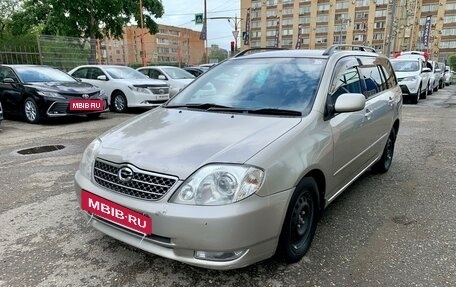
380 102
10 92
348 129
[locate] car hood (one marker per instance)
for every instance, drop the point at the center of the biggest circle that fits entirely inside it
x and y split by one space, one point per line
142 82
178 142
64 87
401 75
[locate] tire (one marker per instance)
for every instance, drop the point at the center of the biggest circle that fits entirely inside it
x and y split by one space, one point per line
94 116
118 102
386 159
416 98
300 222
31 111
430 90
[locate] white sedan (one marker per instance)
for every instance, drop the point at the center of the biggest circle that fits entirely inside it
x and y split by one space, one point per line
177 78
124 86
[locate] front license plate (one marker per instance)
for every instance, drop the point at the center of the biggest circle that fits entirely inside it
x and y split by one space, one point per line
86 105
116 213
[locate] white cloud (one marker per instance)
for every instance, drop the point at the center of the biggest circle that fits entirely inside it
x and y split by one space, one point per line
181 13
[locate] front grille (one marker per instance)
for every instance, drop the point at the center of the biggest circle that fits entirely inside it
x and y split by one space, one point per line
143 184
159 90
79 95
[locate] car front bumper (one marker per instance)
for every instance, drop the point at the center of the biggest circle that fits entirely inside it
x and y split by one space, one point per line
62 108
136 99
252 225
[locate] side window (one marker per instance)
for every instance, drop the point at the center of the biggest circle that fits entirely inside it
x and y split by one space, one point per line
144 71
81 73
373 80
346 79
389 74
94 73
154 74
6 72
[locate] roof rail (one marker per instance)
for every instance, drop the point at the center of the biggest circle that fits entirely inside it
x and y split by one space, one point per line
331 49
256 50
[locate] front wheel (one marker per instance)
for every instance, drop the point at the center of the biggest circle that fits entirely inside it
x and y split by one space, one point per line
119 102
300 222
416 98
386 159
31 111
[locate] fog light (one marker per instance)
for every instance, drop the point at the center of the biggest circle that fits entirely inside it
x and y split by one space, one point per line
219 255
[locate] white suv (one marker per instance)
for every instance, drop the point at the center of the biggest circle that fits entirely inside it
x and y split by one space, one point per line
413 77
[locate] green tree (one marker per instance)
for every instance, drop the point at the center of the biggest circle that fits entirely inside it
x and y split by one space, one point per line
8 8
452 62
85 18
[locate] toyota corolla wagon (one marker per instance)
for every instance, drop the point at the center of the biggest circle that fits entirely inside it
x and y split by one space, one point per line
240 165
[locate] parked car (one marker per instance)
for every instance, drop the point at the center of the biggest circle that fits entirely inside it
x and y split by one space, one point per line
442 75
195 71
39 92
413 78
448 76
177 78
1 112
240 165
124 86
423 56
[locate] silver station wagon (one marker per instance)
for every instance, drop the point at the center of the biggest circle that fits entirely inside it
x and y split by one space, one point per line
240 165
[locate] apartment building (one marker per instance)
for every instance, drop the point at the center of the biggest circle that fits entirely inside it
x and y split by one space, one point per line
310 24
171 44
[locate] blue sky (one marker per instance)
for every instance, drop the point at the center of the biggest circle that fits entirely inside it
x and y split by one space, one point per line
181 13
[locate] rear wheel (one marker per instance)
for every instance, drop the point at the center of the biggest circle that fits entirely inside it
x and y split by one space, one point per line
31 111
300 222
386 159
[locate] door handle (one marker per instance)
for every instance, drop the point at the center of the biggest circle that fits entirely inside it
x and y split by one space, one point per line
390 101
368 114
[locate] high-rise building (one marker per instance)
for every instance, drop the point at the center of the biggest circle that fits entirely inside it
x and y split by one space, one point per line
387 25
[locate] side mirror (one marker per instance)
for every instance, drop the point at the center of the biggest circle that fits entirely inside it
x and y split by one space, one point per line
9 81
426 70
102 78
350 102
162 77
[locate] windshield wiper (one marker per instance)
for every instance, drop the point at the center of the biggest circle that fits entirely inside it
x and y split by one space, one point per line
204 106
271 111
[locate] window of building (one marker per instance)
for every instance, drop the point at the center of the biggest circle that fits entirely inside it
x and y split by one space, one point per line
270 43
381 13
361 15
450 6
287 32
288 21
323 18
358 37
270 33
378 36
287 11
271 13
339 40
304 9
256 4
271 23
321 29
304 20
340 16
271 2
341 4
256 24
256 34
323 7
362 3
321 40
429 8
379 25
287 42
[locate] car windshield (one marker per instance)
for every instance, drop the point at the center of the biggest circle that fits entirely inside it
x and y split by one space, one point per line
281 84
405 66
30 74
124 73
178 73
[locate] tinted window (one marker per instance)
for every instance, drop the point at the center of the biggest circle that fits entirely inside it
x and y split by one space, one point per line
154 73
346 79
405 66
81 73
373 80
390 76
6 72
178 73
94 73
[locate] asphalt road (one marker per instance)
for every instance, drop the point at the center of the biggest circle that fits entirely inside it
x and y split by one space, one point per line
395 229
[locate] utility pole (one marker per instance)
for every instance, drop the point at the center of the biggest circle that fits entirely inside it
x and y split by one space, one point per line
143 51
390 38
205 25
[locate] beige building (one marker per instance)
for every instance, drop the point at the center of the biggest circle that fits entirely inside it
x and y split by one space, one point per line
361 22
171 44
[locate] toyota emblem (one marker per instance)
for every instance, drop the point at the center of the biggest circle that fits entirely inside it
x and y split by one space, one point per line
125 174
161 91
85 96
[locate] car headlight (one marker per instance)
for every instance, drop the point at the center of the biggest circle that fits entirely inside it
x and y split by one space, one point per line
219 184
50 94
140 90
88 158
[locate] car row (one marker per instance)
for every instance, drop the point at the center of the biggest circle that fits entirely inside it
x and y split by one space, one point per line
240 165
418 76
39 92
